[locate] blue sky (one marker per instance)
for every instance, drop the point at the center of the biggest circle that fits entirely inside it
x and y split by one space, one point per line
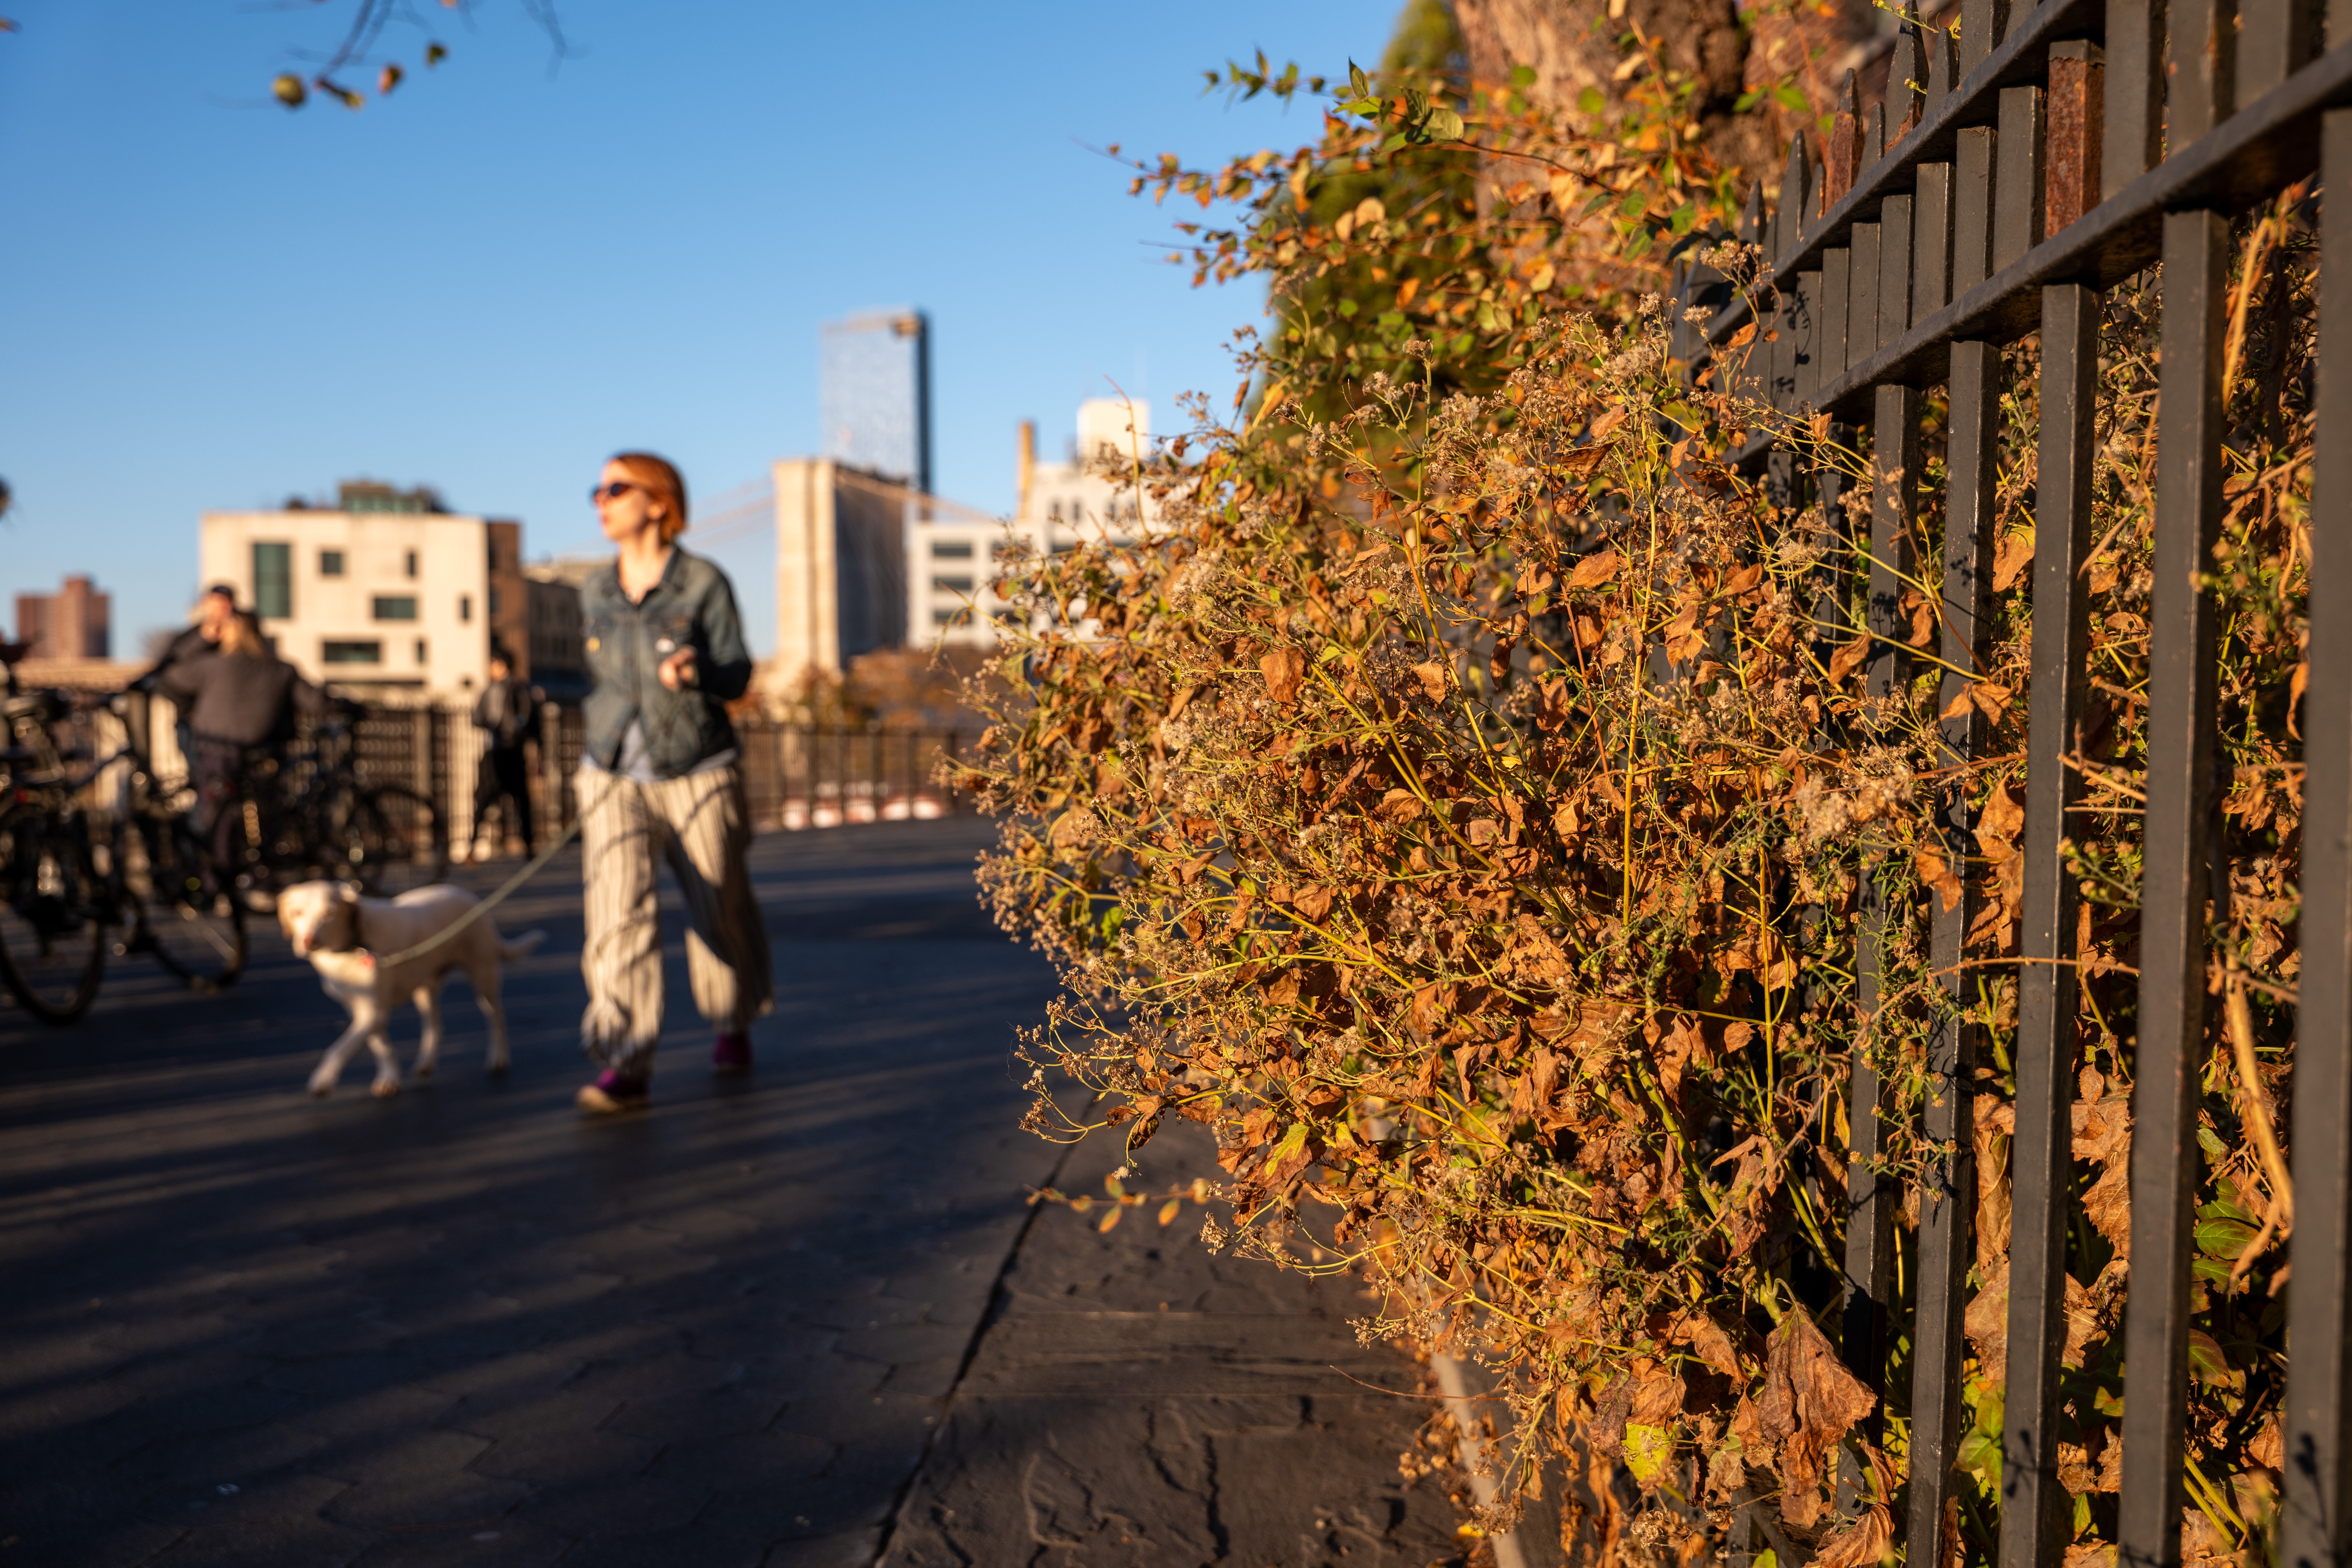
502 273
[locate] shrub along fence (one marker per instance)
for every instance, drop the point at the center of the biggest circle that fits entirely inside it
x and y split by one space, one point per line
2002 185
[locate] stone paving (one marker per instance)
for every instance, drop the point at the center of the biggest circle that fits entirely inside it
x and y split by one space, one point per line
802 1319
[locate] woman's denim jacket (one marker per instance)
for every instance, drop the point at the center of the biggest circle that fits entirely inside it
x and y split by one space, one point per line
693 606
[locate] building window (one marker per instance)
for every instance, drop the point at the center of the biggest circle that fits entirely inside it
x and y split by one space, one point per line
420 650
494 604
465 607
945 618
351 653
331 563
952 584
411 564
402 608
951 550
273 581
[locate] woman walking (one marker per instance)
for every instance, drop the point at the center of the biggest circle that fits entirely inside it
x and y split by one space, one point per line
658 775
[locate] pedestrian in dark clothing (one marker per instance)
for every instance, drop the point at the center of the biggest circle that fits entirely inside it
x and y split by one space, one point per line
508 714
237 696
213 616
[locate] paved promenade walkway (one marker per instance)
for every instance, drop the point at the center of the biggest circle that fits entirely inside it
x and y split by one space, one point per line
804 1319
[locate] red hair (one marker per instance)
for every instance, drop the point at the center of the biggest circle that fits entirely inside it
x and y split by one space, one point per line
660 477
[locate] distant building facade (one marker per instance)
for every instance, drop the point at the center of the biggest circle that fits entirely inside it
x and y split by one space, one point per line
841 564
952 560
875 393
384 590
74 622
558 663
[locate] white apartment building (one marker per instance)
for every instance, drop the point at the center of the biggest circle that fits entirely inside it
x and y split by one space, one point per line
952 561
382 593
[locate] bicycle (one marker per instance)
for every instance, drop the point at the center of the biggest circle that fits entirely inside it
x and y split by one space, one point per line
304 815
63 886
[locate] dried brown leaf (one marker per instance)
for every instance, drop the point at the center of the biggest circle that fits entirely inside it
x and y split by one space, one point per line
1809 1402
1284 669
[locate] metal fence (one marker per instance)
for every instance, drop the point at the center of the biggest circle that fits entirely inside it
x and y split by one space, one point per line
797 776
2003 183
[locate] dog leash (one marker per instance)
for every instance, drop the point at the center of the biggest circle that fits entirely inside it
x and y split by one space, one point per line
530 868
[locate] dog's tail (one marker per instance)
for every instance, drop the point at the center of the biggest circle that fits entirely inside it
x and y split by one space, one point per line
511 947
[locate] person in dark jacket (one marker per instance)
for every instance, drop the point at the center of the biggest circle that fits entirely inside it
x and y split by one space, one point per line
507 713
666 654
234 696
214 613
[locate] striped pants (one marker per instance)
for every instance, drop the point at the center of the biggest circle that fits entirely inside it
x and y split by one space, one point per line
701 825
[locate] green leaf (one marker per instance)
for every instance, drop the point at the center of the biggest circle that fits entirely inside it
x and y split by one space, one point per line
1591 101
1523 77
1980 1453
1358 83
1685 217
2223 1239
1747 100
1648 1451
1790 97
2208 1365
1444 124
1635 204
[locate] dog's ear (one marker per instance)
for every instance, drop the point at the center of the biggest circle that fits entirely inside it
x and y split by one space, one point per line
347 893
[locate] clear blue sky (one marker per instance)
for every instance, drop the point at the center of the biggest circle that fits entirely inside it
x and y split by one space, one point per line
498 275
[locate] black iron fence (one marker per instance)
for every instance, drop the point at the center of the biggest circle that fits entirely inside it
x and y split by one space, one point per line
797 776
2005 180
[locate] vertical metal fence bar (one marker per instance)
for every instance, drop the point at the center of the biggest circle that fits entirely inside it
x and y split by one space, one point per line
1971 209
1983 23
1906 75
2018 195
2033 1503
1893 268
1947 1206
1842 153
1931 241
2181 747
1870 1196
2201 76
1787 221
1835 294
2313 1530
2134 93
1812 332
1942 67
2275 40
1861 296
2076 117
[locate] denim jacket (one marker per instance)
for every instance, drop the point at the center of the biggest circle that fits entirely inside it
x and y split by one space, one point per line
693 605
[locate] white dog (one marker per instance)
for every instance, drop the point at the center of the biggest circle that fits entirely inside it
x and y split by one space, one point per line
341 932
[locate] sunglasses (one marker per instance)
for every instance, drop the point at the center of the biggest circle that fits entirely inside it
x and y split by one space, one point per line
614 490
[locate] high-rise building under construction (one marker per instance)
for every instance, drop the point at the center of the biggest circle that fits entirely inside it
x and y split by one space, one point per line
874 395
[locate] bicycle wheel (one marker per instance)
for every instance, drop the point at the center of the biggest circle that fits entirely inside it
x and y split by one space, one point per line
395 842
186 923
52 934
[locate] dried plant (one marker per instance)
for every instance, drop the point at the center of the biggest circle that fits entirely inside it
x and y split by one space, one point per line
1461 804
